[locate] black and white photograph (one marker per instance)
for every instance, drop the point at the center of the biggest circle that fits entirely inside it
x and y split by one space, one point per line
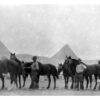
49 49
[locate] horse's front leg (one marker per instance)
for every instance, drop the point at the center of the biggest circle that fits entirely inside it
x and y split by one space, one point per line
19 81
54 78
65 82
49 79
2 78
24 80
72 82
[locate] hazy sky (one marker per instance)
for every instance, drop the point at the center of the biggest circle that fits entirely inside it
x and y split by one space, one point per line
44 29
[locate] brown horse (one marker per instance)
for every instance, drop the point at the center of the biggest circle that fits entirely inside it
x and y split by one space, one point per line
20 68
11 67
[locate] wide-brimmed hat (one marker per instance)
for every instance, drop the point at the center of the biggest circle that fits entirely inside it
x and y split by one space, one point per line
34 57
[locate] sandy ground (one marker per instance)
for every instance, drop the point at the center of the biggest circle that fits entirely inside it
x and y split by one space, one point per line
60 91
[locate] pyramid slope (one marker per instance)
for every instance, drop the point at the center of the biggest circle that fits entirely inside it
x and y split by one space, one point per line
4 52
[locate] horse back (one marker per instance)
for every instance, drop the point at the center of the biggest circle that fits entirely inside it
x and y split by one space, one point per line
44 69
7 65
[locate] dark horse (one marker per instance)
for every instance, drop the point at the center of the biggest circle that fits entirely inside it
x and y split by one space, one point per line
11 67
69 69
44 69
47 69
91 70
20 71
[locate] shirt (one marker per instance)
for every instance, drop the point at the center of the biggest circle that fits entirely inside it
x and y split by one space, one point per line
35 66
80 68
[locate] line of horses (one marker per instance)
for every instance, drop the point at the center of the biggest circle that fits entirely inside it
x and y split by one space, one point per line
17 68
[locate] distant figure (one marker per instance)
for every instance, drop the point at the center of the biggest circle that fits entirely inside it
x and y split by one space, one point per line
79 75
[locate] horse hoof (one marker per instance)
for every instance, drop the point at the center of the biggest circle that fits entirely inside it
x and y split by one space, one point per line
19 87
94 89
66 87
71 87
54 88
47 87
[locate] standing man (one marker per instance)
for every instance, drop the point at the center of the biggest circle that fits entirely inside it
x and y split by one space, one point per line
34 73
79 75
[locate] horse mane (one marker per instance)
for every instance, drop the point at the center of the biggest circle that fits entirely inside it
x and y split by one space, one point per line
84 63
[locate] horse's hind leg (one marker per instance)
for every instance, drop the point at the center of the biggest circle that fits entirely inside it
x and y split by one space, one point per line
87 81
95 83
49 78
2 78
24 79
90 81
19 81
54 81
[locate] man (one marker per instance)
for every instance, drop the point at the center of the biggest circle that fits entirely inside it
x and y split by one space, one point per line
79 75
34 73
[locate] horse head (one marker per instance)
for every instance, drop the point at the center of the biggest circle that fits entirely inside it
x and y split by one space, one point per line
12 56
60 68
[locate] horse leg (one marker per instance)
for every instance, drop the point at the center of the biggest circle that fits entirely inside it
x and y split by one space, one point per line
54 78
65 82
72 82
15 80
99 83
95 82
24 79
87 81
49 79
2 78
90 81
19 81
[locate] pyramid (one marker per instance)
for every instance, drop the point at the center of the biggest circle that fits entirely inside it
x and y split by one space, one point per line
4 52
63 52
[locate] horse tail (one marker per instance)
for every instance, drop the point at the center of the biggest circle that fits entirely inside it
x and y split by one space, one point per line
54 71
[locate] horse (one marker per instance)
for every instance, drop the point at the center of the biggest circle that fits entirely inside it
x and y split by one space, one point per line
91 70
20 72
69 69
48 70
11 67
88 73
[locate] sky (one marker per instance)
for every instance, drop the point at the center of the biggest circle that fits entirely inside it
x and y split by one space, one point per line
43 29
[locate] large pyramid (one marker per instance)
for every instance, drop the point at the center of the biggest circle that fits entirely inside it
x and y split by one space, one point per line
63 52
4 52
